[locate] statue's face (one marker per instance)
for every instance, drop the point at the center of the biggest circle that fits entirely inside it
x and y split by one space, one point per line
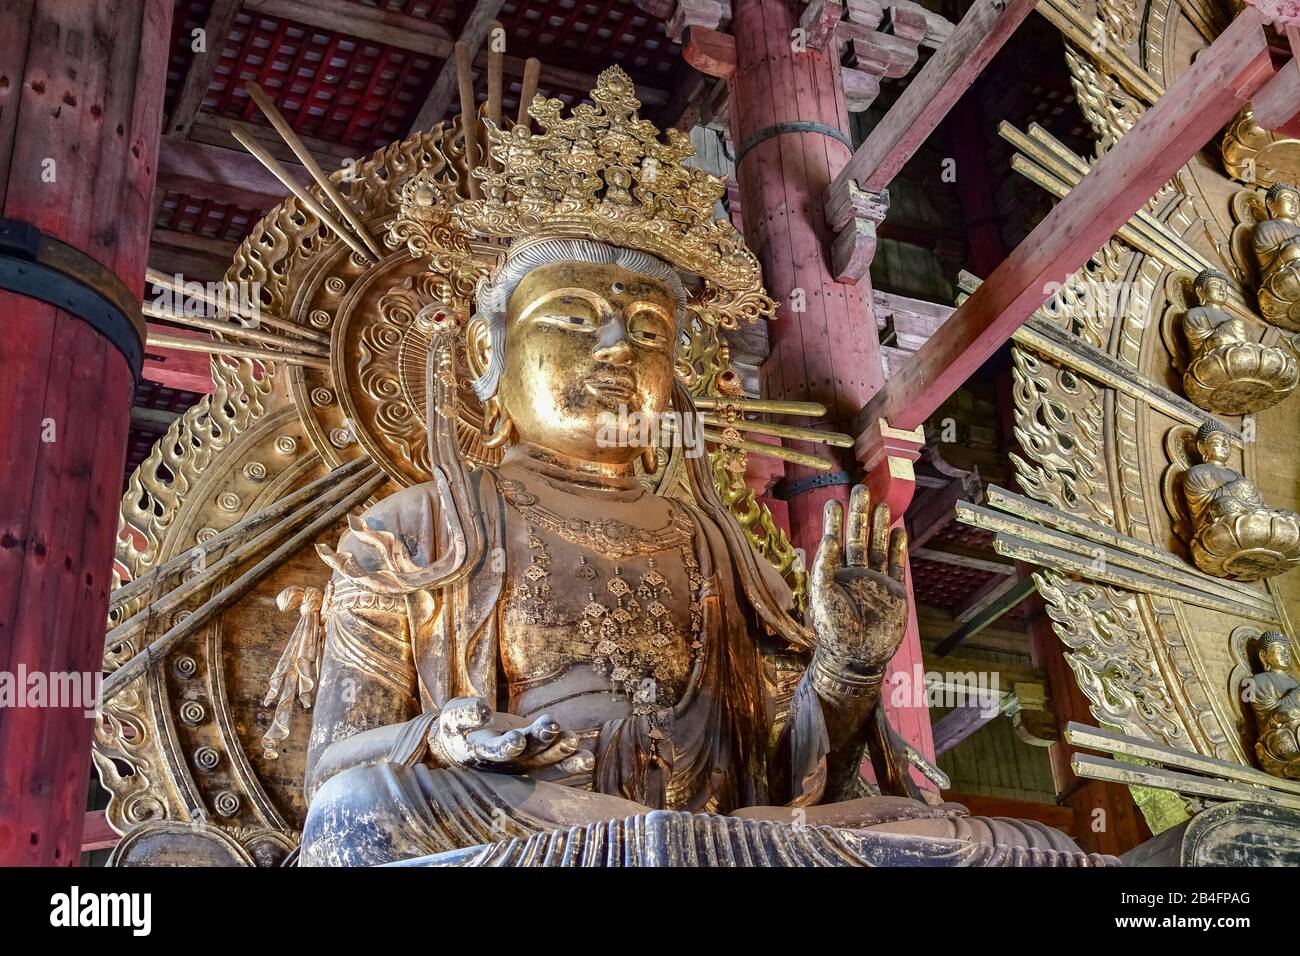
1212 291
1215 447
1286 205
1277 657
584 344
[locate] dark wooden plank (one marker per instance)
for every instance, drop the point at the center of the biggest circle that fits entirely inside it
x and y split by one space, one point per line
221 17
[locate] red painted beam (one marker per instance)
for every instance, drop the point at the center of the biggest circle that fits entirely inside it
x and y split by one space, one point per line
987 25
1277 105
97 834
191 371
1192 111
710 52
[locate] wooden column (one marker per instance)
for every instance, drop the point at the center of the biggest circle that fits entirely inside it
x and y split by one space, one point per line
81 94
789 124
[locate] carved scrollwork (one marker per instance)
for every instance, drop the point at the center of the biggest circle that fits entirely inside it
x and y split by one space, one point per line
1059 426
1111 657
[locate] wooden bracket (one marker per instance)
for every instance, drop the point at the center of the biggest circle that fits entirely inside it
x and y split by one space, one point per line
887 455
697 13
853 215
819 21
710 52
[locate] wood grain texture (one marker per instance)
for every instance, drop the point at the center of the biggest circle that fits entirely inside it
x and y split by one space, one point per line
89 99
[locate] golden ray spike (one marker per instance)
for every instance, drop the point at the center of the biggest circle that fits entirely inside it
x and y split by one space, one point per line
838 439
528 89
273 166
233 328
326 184
772 405
770 451
213 347
259 317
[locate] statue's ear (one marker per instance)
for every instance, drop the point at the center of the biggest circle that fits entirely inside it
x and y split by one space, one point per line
478 345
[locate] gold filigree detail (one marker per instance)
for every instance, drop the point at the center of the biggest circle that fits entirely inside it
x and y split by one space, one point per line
1059 426
603 173
614 539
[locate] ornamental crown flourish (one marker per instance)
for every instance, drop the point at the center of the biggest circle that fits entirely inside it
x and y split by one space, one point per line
603 173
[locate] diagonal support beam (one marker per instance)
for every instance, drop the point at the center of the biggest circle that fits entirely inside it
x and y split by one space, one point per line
1192 111
951 70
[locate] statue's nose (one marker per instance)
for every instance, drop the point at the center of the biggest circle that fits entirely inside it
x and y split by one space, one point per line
612 344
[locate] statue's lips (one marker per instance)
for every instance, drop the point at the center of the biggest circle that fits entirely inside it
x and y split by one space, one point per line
615 386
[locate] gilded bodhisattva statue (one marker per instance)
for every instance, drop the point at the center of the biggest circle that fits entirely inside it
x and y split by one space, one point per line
1276 244
547 644
1235 533
1229 372
1274 697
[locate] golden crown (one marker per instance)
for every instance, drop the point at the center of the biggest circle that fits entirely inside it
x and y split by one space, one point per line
603 173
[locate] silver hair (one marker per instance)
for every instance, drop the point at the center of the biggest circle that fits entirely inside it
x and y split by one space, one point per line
494 300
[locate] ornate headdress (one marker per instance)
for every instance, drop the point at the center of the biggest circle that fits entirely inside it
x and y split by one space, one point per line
601 173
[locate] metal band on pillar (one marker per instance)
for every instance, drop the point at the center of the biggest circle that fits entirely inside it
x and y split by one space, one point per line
785 490
41 267
780 129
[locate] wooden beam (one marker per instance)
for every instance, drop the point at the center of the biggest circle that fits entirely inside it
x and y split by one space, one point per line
226 175
361 21
97 834
984 597
979 805
986 26
191 371
965 558
959 723
1191 112
216 28
935 511
440 97
1024 587
1277 105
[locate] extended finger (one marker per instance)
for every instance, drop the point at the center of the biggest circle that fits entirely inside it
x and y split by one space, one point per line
832 519
496 748
581 762
898 554
543 730
565 745
879 538
855 534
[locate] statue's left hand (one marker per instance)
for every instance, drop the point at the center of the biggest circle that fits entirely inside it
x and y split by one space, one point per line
856 600
469 734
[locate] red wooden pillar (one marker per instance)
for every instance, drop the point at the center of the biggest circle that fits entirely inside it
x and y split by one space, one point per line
790 127
81 93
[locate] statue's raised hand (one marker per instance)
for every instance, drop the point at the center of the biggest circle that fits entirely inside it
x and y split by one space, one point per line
469 734
856 600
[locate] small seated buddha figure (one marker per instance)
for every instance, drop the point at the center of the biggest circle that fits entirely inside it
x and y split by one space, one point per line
1235 533
1274 697
1277 250
1229 372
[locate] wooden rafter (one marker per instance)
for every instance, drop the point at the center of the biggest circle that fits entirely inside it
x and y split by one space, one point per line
199 75
364 22
928 98
1192 111
226 175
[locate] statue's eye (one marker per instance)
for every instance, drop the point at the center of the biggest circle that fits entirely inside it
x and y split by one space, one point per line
648 326
572 312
